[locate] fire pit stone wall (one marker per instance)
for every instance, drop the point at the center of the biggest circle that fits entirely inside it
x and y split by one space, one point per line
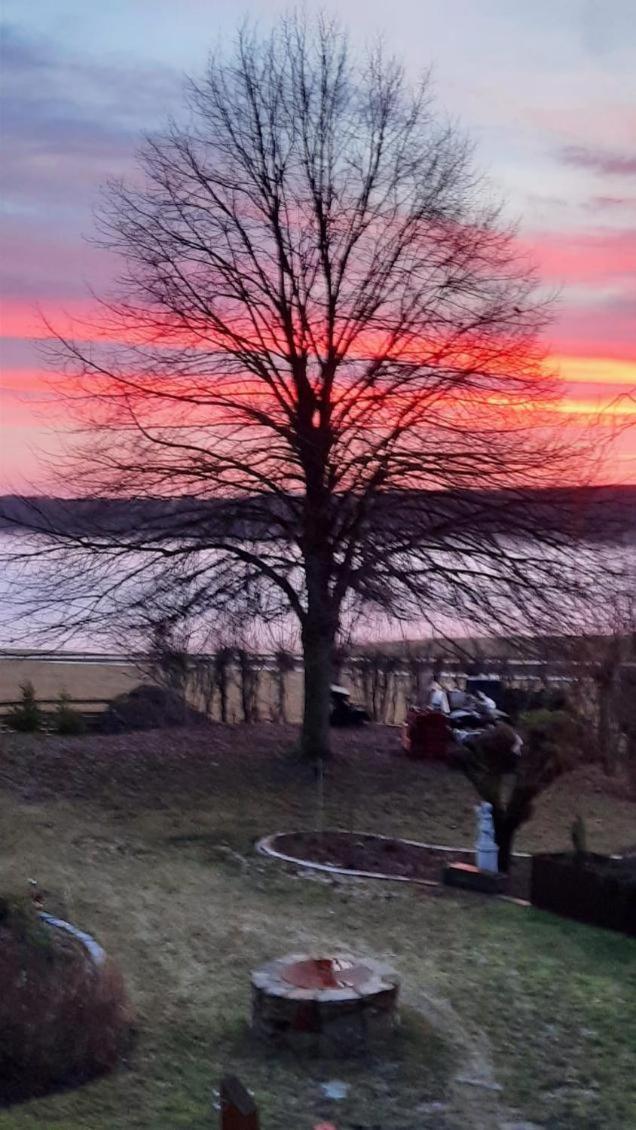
327 1005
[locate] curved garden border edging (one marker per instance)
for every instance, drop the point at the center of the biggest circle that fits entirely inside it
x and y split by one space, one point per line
265 846
93 948
69 1017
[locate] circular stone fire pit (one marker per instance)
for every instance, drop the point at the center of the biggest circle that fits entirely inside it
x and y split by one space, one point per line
328 1005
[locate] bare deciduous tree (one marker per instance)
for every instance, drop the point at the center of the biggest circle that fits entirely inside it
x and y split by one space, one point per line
605 652
222 673
168 657
323 350
284 664
248 666
591 646
376 671
555 743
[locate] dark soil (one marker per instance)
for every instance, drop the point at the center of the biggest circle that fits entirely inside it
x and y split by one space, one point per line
390 857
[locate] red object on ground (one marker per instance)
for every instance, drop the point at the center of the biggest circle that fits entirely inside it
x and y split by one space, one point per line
428 735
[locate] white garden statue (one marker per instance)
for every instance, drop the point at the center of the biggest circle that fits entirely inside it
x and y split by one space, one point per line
486 850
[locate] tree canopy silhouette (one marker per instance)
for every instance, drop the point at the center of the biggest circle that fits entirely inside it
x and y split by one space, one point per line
323 350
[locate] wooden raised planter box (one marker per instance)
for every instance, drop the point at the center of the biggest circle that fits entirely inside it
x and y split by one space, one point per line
592 888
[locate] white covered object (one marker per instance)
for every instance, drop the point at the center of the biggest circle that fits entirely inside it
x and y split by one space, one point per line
438 699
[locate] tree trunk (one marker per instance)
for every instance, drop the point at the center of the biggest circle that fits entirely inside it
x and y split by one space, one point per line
605 728
249 685
318 657
508 820
222 662
282 696
630 754
222 685
504 835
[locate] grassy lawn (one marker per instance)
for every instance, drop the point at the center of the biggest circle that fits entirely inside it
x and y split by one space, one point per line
146 841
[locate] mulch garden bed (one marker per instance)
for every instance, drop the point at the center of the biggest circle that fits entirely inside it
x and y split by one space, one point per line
393 857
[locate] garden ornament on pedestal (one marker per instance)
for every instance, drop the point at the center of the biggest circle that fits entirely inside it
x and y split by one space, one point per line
486 850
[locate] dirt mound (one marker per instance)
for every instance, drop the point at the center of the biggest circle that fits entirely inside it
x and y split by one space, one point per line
147 707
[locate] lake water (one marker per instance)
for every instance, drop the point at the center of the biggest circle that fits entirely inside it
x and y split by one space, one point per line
40 598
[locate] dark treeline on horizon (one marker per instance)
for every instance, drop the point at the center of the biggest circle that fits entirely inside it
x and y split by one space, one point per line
604 512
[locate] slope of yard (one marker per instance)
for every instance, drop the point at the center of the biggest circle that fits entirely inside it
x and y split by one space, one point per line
146 841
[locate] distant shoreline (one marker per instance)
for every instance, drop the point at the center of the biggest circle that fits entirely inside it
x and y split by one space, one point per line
606 512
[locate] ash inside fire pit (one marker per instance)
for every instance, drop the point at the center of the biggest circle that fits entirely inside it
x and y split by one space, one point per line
336 1005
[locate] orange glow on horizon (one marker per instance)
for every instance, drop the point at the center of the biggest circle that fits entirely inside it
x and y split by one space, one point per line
28 394
594 370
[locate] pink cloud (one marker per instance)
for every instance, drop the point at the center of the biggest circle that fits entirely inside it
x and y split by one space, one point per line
39 264
576 258
595 329
611 125
599 160
23 319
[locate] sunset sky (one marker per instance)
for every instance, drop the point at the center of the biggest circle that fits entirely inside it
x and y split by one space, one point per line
546 88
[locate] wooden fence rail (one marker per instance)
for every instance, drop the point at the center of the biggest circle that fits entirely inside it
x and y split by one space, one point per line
7 702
